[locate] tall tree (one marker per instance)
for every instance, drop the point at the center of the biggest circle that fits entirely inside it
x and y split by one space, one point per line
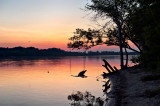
117 11
110 9
137 21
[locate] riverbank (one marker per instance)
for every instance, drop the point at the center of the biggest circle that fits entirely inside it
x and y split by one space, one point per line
135 87
54 52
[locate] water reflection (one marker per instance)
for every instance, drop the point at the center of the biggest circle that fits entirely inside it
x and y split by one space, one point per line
48 81
86 98
20 62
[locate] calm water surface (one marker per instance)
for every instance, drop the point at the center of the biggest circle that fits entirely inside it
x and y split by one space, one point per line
48 82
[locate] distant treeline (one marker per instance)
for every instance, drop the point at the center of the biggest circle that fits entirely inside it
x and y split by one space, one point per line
31 51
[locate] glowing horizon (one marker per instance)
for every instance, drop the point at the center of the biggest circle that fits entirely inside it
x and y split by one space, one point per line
39 23
42 23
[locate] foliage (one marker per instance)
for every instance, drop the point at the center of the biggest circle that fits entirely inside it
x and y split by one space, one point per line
112 10
85 39
136 59
145 24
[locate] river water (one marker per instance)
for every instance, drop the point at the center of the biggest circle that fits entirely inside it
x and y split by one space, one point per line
49 81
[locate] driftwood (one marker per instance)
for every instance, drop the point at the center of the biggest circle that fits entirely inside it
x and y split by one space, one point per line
109 67
115 68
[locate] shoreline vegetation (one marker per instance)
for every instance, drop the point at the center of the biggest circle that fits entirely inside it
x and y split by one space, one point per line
35 52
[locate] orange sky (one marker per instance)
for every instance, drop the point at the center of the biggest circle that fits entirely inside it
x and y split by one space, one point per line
42 23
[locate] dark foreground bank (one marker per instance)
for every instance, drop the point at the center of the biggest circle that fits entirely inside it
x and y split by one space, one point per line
135 87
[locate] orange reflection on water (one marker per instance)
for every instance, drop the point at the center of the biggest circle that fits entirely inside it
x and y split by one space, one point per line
48 82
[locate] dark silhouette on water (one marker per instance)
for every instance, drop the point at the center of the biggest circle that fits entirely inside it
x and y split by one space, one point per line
81 74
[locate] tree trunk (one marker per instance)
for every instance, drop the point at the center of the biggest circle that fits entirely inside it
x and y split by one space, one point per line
126 65
119 35
120 43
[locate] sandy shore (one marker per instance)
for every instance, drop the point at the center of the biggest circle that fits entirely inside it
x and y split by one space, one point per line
128 89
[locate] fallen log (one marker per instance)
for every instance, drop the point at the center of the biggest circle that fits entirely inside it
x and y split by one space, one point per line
109 71
115 68
108 65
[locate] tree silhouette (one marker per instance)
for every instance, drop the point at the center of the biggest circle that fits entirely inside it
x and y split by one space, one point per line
119 34
127 21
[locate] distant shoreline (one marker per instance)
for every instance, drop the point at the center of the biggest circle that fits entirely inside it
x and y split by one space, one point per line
44 57
53 52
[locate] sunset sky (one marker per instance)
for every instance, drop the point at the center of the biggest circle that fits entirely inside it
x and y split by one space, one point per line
41 23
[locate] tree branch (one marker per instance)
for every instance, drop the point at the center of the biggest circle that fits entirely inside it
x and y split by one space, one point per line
128 47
